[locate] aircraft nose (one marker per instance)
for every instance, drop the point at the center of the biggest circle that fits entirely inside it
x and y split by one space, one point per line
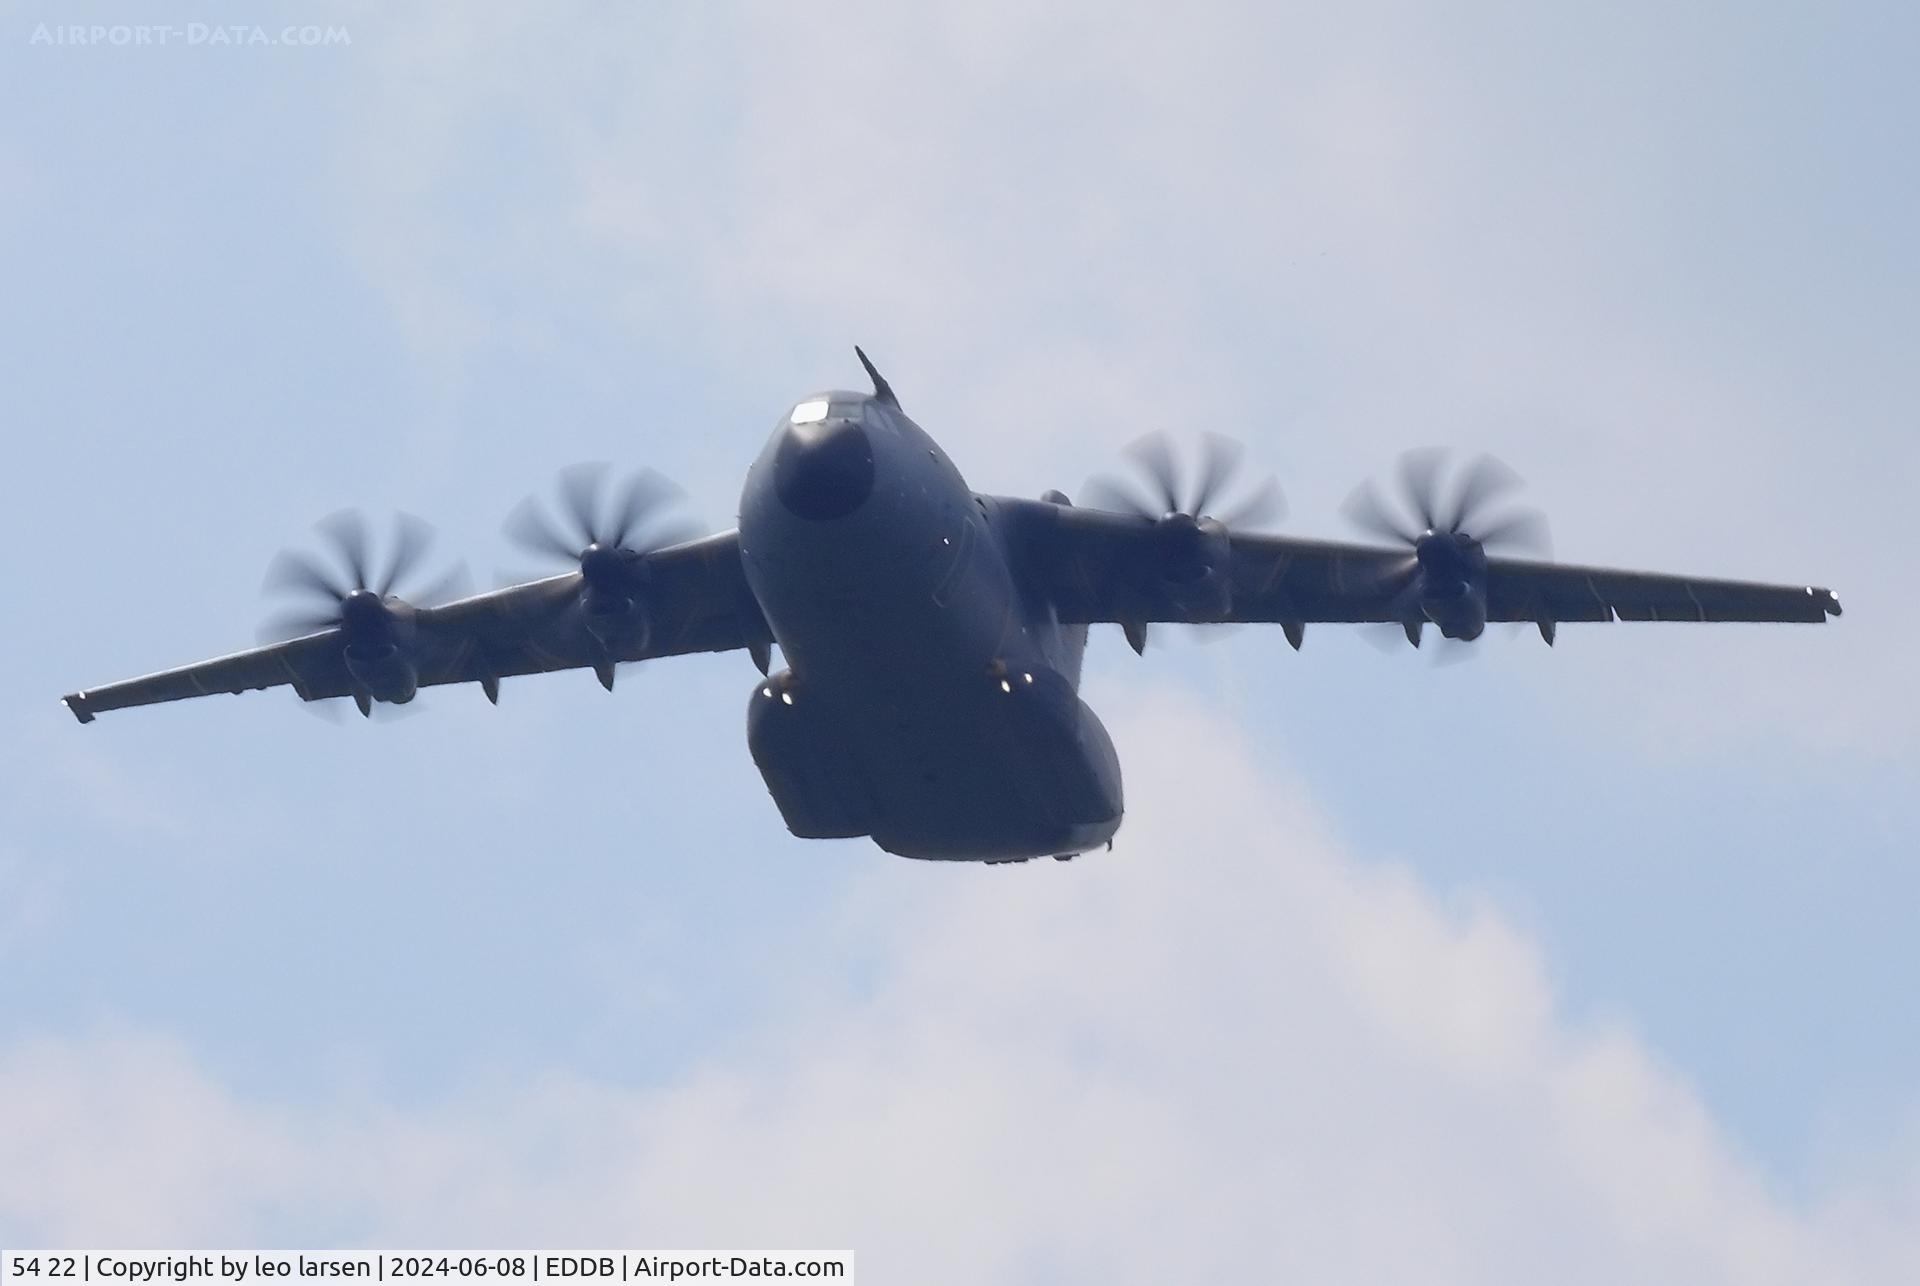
824 470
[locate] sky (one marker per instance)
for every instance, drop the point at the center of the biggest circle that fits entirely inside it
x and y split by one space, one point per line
1583 963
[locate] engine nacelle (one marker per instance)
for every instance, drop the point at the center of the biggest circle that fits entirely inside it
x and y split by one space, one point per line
1452 583
383 670
1460 614
619 621
1196 554
800 756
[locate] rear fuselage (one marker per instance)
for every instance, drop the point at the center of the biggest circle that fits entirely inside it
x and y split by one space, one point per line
926 703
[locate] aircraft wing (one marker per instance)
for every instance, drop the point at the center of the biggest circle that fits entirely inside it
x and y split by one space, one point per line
1099 566
696 600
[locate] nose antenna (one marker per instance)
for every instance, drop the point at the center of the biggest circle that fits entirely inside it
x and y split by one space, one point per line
881 389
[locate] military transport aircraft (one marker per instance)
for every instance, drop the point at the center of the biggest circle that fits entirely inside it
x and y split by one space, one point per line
933 635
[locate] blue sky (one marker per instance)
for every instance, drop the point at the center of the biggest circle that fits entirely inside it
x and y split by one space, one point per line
1619 935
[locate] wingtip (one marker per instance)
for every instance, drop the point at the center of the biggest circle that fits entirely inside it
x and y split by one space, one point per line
76 704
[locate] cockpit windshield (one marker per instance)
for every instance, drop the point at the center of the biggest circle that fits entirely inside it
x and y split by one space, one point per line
816 409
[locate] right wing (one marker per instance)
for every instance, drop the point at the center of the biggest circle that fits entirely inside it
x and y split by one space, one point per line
696 598
1092 565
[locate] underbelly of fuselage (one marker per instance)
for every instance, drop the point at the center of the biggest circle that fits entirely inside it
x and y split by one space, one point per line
987 774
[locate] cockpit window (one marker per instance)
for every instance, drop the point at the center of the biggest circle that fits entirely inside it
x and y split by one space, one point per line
817 409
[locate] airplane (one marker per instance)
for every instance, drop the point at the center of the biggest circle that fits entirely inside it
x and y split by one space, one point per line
932 636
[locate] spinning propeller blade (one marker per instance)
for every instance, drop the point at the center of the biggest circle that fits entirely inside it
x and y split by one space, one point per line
349 542
1213 479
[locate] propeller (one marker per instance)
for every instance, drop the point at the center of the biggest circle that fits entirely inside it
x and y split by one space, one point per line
603 522
1167 490
347 590
1460 510
606 526
1181 503
1448 519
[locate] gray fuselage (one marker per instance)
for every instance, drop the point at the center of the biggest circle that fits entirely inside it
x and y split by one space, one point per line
928 703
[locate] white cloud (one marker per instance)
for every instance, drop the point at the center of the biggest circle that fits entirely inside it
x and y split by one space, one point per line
1199 1057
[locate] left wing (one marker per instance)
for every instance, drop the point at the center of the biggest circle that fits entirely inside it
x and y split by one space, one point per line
695 598
1093 565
